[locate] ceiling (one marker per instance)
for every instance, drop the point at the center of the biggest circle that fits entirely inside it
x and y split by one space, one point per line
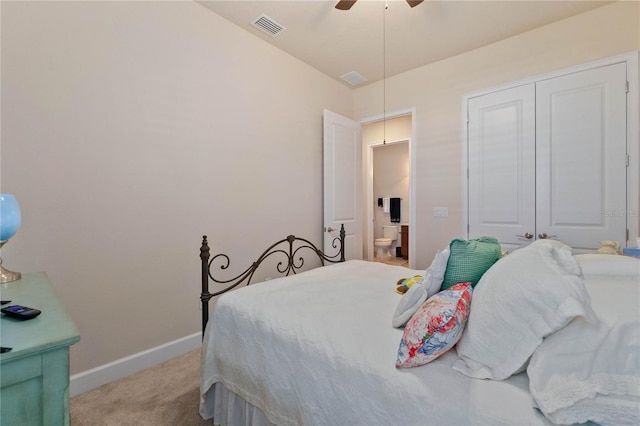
377 42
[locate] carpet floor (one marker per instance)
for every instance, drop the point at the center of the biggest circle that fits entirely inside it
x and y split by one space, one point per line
166 394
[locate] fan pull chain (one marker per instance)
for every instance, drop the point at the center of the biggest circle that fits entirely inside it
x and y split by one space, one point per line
384 74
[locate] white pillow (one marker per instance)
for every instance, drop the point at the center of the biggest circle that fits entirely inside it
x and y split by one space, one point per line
409 304
419 292
434 275
608 264
521 299
592 371
562 254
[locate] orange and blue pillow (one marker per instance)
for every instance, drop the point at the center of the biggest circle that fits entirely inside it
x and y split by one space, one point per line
436 327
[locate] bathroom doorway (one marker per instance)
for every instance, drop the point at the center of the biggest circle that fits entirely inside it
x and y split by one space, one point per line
388 165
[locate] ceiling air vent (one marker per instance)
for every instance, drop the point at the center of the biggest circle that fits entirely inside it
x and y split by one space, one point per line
268 25
353 78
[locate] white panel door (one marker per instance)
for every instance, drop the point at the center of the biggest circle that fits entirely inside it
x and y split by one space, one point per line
581 157
342 183
501 159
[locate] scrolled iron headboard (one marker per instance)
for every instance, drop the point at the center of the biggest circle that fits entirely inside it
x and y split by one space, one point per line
293 264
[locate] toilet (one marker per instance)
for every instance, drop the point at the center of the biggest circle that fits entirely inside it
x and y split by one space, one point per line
382 245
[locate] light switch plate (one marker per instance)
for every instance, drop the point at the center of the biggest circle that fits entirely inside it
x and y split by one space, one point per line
440 212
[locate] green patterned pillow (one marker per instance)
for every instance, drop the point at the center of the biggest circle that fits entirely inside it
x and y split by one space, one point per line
470 259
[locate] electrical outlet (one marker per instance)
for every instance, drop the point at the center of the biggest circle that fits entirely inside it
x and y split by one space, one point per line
440 212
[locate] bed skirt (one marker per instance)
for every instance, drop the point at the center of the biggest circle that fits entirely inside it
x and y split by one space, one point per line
230 409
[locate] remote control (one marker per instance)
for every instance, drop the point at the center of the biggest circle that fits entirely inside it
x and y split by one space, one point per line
20 312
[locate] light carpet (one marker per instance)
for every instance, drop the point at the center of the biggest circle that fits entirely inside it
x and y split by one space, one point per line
167 394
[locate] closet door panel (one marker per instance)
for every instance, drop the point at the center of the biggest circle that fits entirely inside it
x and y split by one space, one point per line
581 157
501 150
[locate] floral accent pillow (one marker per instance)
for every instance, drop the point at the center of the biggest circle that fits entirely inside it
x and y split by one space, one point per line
436 327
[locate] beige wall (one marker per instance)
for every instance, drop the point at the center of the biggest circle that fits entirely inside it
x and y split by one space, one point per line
395 129
436 92
129 130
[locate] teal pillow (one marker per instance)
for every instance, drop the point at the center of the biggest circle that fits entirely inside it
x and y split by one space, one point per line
470 259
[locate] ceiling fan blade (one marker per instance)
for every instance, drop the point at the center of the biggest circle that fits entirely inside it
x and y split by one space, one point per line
414 3
345 4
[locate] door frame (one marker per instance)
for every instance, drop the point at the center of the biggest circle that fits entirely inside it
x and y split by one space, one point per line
633 141
370 206
368 169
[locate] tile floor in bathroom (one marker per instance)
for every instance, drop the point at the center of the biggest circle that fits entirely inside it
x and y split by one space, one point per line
392 260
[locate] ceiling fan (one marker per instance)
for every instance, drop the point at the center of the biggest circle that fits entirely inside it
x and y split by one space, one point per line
347 4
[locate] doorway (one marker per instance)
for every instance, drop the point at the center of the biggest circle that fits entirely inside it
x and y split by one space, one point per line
389 174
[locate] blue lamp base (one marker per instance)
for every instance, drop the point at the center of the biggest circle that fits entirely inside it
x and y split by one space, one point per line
6 275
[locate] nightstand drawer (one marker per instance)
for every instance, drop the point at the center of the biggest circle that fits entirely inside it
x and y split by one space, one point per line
20 370
22 402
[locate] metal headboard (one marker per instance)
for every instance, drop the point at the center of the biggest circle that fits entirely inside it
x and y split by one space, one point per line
289 265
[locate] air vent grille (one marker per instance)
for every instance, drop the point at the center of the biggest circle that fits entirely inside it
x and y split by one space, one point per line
354 78
268 25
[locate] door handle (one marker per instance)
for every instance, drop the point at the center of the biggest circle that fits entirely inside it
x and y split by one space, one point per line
527 235
329 229
544 236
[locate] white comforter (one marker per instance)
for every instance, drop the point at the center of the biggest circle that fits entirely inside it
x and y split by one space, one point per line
318 348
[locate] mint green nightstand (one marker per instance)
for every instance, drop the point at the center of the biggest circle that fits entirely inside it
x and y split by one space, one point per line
34 376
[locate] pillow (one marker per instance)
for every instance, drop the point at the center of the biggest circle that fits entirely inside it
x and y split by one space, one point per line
588 372
591 372
422 290
562 254
523 298
434 275
436 327
601 264
469 259
409 303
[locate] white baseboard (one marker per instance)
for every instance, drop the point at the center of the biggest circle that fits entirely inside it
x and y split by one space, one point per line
123 367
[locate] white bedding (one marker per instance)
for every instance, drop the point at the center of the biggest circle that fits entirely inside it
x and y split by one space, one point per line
318 348
592 370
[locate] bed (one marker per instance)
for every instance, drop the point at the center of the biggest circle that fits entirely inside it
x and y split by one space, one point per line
325 346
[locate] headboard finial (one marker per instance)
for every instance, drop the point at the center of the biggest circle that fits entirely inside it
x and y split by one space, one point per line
204 248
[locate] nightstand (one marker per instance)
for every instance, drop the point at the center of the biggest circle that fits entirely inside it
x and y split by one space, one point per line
34 376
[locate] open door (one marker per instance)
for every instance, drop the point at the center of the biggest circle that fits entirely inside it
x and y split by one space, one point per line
342 183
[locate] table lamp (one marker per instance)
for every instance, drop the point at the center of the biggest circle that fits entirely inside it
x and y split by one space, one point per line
9 223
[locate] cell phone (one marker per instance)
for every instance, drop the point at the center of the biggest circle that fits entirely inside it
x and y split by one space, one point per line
20 312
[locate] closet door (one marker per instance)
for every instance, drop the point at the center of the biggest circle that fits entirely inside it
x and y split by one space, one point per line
501 159
581 157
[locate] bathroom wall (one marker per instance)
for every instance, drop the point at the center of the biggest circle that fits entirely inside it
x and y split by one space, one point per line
375 133
390 179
